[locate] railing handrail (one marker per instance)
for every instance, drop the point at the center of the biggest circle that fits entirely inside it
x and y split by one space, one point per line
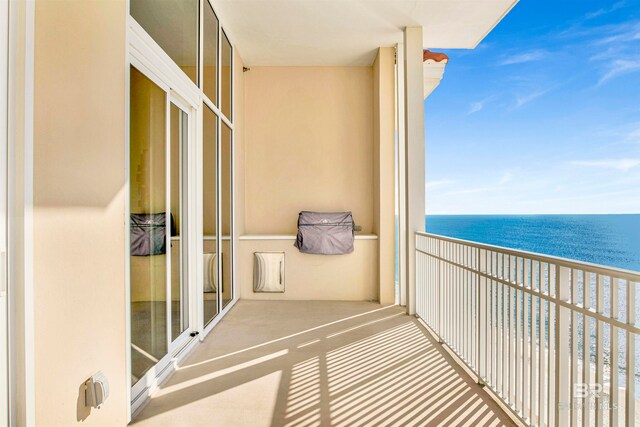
631 275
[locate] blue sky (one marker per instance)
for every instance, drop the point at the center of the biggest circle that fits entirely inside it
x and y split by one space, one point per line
542 117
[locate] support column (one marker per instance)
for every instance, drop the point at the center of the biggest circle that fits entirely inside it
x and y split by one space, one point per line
414 149
384 145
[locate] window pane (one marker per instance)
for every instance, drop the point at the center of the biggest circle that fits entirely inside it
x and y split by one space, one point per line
209 195
226 76
173 24
148 184
179 288
210 48
226 216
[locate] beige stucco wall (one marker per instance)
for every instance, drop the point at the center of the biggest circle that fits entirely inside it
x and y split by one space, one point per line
79 180
319 138
351 277
384 169
308 145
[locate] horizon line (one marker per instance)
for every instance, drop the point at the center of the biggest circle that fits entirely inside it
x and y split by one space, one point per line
522 214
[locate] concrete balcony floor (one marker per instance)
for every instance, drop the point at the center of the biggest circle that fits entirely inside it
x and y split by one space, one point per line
316 363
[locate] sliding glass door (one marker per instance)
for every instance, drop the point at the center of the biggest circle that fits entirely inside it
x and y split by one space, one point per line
158 262
148 224
180 259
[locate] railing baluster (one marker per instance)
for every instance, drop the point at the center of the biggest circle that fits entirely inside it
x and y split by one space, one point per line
440 298
481 282
599 349
613 360
513 316
472 309
534 346
542 351
630 404
467 313
551 342
519 360
486 286
562 353
526 359
574 350
504 330
586 346
494 320
450 288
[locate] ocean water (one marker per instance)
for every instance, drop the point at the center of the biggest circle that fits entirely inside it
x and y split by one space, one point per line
610 240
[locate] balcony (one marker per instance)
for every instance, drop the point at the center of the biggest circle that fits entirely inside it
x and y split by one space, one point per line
484 314
294 363
517 320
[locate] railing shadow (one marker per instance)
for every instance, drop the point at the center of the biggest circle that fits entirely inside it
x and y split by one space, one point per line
379 367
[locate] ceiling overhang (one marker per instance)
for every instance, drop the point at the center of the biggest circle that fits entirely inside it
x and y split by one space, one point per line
348 32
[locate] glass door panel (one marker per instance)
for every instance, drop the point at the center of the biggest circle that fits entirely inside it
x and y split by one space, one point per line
179 132
225 76
209 215
226 215
210 53
148 223
173 24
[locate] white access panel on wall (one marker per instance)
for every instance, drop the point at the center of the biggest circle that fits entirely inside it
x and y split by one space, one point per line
268 272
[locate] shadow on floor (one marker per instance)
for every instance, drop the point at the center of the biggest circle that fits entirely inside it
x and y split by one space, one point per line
300 364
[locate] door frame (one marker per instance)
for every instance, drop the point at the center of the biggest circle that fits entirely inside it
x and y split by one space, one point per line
184 160
18 107
4 176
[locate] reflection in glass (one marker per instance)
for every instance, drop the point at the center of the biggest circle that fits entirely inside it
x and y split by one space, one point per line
179 288
226 76
209 228
173 24
226 215
210 53
148 182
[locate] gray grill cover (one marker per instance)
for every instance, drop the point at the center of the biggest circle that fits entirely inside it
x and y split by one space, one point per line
148 234
325 233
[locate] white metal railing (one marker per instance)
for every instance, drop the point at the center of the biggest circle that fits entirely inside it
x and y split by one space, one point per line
517 320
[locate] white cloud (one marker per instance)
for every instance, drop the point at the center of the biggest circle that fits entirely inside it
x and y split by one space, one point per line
624 165
534 55
605 11
620 67
506 178
634 136
525 99
621 33
474 107
474 190
439 183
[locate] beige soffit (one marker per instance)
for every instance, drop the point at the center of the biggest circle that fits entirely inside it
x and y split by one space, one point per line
348 32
